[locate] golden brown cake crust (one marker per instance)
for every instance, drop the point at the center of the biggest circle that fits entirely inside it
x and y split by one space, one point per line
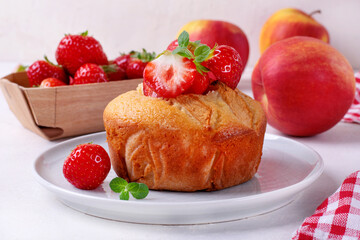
188 143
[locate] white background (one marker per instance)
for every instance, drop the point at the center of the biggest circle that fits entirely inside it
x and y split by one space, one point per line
29 29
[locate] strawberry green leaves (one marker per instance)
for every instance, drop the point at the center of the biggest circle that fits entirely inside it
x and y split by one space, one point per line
21 68
84 34
144 56
137 190
195 51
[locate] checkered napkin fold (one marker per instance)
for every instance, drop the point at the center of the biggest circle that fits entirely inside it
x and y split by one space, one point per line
353 114
338 217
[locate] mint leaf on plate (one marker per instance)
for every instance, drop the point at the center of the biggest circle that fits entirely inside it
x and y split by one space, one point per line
118 184
137 190
124 195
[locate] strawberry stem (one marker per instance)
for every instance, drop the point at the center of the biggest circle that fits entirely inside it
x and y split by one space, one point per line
211 53
109 68
166 52
84 34
47 60
21 68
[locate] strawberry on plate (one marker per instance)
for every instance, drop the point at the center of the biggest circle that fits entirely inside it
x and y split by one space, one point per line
51 82
89 73
41 69
74 51
226 64
87 166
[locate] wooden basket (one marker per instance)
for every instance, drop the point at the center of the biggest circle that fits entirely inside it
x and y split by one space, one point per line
64 111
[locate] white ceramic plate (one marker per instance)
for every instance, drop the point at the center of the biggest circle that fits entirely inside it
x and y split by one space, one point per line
286 169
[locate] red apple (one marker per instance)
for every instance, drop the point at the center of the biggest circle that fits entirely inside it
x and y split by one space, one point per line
304 85
290 22
220 32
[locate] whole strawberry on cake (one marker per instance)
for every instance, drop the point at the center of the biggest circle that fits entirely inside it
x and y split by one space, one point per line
187 127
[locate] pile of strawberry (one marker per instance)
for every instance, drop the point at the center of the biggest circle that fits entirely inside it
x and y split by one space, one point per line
190 67
82 60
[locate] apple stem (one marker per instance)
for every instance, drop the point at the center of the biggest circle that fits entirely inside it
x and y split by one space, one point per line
315 12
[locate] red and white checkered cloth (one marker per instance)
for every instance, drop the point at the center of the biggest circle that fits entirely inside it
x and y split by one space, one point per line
338 217
353 114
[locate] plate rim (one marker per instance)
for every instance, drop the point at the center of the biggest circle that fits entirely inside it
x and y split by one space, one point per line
297 187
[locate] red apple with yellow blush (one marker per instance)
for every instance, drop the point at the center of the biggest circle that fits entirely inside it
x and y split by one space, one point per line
290 22
304 85
210 32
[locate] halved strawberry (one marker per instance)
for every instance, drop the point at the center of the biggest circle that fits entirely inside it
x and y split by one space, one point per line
148 91
170 74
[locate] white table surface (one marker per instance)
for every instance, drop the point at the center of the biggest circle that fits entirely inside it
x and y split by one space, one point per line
29 211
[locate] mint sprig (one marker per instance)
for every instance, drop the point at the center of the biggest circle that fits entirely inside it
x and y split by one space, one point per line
137 190
124 195
201 51
183 39
200 68
184 52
